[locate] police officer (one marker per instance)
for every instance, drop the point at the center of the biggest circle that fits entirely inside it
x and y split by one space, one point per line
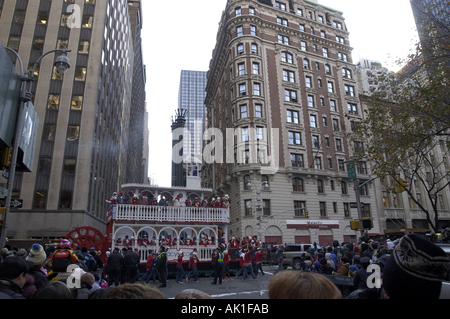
218 266
161 266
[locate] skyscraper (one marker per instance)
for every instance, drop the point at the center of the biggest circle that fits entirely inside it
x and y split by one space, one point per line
191 97
91 128
283 94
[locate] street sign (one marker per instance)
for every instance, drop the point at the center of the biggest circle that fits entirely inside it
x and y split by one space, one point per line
16 203
351 170
355 205
3 191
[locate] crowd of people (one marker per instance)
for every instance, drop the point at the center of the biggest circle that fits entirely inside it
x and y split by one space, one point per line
411 267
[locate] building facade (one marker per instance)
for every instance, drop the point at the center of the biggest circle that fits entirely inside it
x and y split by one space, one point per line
91 127
282 97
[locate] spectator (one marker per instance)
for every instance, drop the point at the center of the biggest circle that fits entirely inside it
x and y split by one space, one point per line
325 267
135 291
360 282
53 290
415 269
302 285
13 273
115 267
36 259
343 269
193 294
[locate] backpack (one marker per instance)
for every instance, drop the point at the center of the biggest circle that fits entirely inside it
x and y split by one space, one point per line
61 260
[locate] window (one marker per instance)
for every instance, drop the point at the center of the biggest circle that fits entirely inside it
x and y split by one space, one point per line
346 73
87 21
266 207
325 52
346 210
240 31
303 45
323 209
77 102
247 186
256 89
297 160
352 108
255 68
315 141
240 48
53 102
248 207
308 82
330 87
337 25
290 95
319 83
311 101
280 6
320 188
241 68
238 11
259 132
339 145
286 57
242 89
297 184
349 90
340 39
80 74
342 56
251 11
295 138
344 188
83 47
323 34
252 30
333 105
282 21
38 44
341 165
288 76
258 110
244 132
318 163
45 165
49 132
73 133
327 69
306 64
283 39
244 113
336 125
324 122
361 167
69 166
300 12
313 120
302 27
299 208
254 48
292 116
330 166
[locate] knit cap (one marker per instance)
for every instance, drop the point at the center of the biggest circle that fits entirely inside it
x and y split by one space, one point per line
416 269
37 254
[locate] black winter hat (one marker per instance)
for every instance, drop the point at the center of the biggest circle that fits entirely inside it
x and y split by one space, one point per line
415 269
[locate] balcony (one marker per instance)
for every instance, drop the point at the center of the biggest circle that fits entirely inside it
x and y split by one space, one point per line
170 214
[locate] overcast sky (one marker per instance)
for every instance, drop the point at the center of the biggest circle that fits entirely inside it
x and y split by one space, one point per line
382 30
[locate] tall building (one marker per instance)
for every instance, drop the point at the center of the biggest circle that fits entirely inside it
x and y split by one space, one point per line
282 92
191 97
91 128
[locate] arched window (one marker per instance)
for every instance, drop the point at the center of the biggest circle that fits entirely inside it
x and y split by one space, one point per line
297 184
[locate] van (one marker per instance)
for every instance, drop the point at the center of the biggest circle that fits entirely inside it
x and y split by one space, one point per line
293 255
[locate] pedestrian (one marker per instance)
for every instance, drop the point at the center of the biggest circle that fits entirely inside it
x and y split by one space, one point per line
13 271
130 263
179 267
360 282
416 269
330 261
148 266
37 257
343 268
53 290
218 266
279 258
134 291
226 266
302 285
161 265
115 267
258 260
325 267
193 267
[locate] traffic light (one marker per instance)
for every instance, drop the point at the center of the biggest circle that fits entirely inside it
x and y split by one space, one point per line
360 224
2 213
402 185
6 157
367 223
306 213
355 224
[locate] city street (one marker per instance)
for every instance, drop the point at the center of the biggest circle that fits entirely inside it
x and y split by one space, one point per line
234 289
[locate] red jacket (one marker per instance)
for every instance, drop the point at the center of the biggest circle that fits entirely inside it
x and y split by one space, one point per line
248 257
149 262
180 260
193 262
258 257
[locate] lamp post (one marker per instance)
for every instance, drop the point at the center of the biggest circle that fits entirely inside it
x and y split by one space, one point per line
62 64
258 199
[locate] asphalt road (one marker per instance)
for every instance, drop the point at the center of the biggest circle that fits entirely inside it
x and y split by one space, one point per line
234 289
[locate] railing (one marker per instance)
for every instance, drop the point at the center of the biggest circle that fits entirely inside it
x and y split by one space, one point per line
171 214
